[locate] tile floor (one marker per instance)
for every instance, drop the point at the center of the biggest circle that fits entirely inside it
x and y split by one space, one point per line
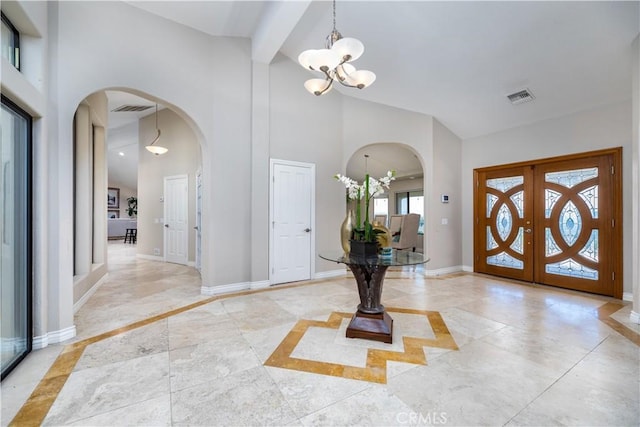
151 350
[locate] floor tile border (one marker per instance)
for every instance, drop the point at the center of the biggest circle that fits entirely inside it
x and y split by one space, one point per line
376 364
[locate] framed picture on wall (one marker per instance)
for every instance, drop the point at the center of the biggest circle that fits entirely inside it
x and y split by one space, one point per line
113 197
113 213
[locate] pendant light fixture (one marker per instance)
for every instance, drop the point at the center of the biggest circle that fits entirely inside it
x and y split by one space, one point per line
156 149
334 63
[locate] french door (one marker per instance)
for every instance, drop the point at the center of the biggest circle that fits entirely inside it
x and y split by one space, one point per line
554 221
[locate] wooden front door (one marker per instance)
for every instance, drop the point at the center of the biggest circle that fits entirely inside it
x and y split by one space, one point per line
504 203
555 221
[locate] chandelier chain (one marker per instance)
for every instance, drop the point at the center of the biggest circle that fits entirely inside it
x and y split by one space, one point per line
334 15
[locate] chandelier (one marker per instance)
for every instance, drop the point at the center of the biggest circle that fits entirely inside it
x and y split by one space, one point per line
334 63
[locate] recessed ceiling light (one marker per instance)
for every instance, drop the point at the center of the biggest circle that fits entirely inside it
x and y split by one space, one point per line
121 153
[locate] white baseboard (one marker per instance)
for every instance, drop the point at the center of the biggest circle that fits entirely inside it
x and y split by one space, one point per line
89 293
40 342
53 337
329 274
261 284
150 257
191 264
225 289
443 271
634 317
627 296
467 268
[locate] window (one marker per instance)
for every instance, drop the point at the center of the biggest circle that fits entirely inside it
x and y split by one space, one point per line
15 235
10 42
381 206
411 202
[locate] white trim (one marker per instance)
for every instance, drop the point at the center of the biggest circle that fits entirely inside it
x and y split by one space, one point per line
330 274
443 271
260 284
53 337
225 289
191 264
634 317
89 293
150 257
234 287
40 342
467 268
627 296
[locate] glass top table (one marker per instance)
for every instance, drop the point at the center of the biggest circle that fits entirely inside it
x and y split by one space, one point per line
398 258
371 321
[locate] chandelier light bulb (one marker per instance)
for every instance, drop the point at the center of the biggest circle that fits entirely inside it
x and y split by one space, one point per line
362 78
324 60
305 58
348 48
343 72
156 149
318 86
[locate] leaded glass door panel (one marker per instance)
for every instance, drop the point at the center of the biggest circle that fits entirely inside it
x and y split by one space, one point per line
504 223
574 223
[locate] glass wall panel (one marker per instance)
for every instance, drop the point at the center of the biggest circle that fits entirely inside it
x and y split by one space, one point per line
15 236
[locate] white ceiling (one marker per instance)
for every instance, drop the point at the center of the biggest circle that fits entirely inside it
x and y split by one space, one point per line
453 60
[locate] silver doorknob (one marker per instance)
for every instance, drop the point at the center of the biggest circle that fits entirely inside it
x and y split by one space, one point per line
166 225
307 230
527 230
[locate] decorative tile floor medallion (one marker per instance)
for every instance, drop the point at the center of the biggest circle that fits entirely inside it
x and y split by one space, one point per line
375 369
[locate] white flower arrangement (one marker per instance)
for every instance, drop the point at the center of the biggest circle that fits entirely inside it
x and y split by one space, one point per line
370 188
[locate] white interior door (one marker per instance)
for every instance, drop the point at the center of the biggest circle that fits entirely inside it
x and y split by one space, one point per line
292 196
176 214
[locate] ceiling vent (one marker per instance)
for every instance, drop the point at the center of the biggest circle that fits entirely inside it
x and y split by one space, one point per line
130 108
521 97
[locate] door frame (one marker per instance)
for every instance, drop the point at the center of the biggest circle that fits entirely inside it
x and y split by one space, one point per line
312 220
164 214
198 226
616 252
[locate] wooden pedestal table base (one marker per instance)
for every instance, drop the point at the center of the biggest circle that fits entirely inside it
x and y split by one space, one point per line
371 321
376 327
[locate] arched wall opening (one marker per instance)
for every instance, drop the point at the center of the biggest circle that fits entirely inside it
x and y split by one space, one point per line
98 195
406 192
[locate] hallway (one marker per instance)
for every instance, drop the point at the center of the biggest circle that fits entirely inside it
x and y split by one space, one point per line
151 350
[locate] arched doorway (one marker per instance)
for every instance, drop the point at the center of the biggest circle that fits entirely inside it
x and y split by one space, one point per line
406 193
112 168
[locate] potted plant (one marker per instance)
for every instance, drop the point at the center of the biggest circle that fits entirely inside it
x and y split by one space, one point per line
363 239
132 206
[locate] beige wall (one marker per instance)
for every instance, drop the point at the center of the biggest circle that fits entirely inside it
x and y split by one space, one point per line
183 157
